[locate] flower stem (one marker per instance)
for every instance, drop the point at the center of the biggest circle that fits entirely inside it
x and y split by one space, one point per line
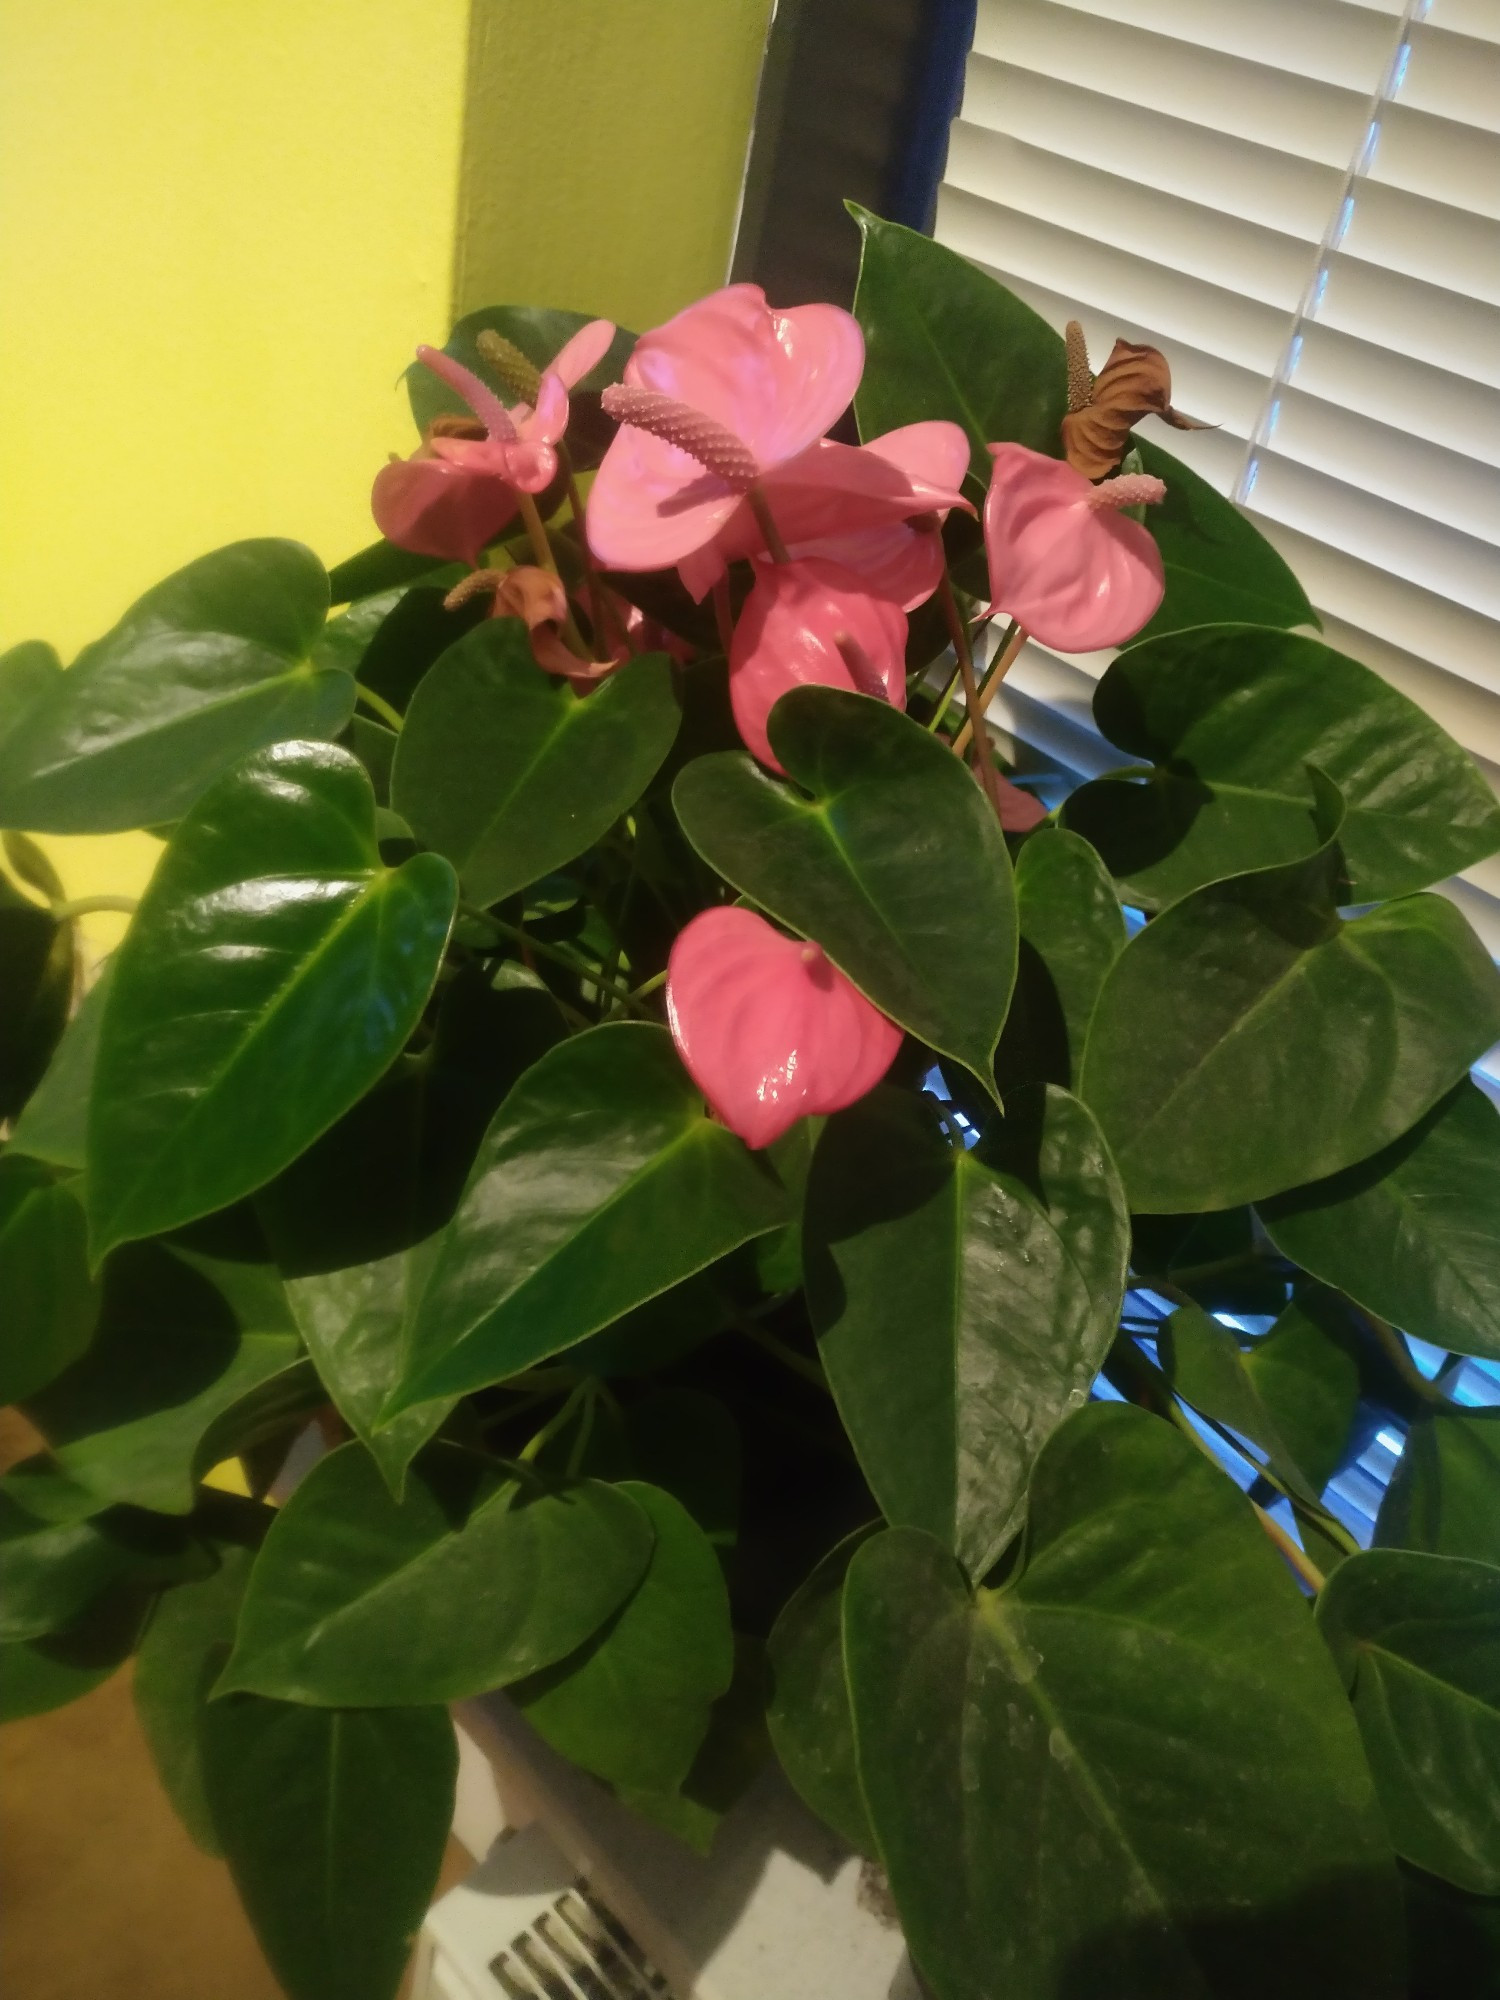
1297 1559
958 631
1397 1352
935 720
391 717
541 549
570 961
760 508
607 628
88 906
651 985
554 1423
1014 640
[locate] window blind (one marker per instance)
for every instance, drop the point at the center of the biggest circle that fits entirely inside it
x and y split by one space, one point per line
1298 201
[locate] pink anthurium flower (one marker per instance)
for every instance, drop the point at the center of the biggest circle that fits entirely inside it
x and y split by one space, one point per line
1064 563
457 491
712 402
865 506
1019 809
811 623
767 1027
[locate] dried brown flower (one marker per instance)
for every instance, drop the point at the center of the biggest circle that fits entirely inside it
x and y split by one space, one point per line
1135 382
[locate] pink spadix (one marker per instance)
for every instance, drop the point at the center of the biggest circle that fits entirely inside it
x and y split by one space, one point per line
768 1028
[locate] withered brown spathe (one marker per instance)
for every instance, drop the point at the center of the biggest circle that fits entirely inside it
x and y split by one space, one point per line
1135 382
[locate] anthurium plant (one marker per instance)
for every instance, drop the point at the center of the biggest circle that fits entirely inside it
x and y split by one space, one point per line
791 1240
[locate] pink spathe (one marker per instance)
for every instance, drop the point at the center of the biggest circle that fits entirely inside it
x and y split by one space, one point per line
811 623
1063 561
768 1028
866 506
775 380
453 496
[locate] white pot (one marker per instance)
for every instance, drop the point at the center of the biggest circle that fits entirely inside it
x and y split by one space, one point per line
577 1899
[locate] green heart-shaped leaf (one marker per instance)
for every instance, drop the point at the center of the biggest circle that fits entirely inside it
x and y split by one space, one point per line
1218 564
354 1323
944 340
601 1182
963 1300
1232 715
808 1711
1444 1497
509 773
1412 1233
1417 1640
39 1675
1205 1365
633 1705
1132 1770
51 1298
333 1823
52 1571
471 1580
186 1642
211 664
54 1124
1248 1040
889 857
1072 931
273 971
174 1380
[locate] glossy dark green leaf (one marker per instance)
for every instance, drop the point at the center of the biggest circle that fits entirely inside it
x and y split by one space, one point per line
1417 1640
1218 564
171 1381
1132 1771
39 1675
1444 1497
1306 1374
887 856
1248 1041
1072 931
185 1644
472 1580
1231 716
381 567
54 1124
601 1182
41 1489
540 332
1208 1368
633 1705
963 1300
272 973
51 1572
505 770
37 968
1414 1232
390 639
662 1330
354 1323
808 1713
389 1173
733 1754
51 1299
943 339
208 666
27 672
333 1822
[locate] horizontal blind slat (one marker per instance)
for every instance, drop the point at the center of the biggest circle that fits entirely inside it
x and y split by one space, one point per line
1325 41
1438 157
1073 265
1362 375
1254 182
1180 234
1443 486
1249 99
1453 74
1427 322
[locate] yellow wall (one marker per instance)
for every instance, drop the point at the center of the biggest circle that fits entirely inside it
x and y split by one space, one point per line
225 224
604 149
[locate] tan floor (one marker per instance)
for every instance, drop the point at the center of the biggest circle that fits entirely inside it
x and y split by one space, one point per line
102 1894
